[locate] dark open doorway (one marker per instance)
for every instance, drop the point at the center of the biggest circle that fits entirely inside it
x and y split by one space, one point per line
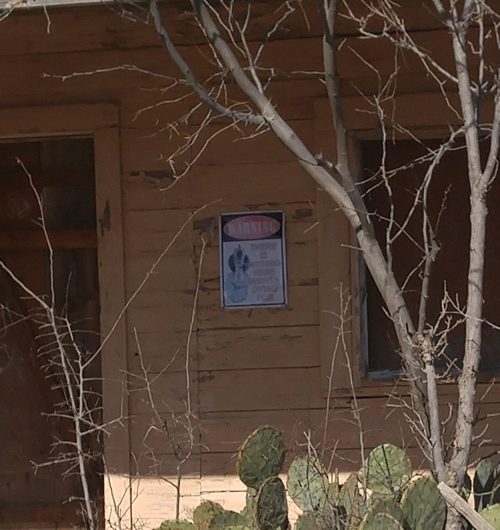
32 384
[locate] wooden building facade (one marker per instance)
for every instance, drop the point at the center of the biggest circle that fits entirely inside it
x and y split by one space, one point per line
220 372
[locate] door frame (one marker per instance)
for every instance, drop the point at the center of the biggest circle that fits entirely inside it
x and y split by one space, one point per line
101 122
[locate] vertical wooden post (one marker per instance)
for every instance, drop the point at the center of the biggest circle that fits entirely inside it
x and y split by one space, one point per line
117 495
335 275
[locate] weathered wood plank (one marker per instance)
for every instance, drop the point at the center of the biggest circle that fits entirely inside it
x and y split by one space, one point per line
295 100
161 350
148 242
234 147
224 432
268 389
231 349
165 219
464 508
155 444
155 461
150 232
97 28
145 109
285 56
169 391
173 273
150 149
288 346
56 118
156 311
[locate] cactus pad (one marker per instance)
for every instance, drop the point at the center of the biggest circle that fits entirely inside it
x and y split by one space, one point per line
261 456
313 521
382 521
248 512
271 509
386 507
350 498
423 505
308 485
492 515
387 470
204 513
308 521
176 525
467 487
226 520
484 481
495 496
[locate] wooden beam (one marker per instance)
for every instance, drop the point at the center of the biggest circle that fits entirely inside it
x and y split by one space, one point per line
463 507
35 240
118 496
56 177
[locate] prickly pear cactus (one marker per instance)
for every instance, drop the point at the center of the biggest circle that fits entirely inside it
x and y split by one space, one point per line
309 521
261 456
382 521
250 496
248 512
271 509
308 484
387 470
316 521
382 506
423 505
484 480
495 496
350 499
467 487
492 515
227 519
176 525
204 513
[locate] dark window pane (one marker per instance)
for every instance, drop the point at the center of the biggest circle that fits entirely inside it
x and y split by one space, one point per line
448 201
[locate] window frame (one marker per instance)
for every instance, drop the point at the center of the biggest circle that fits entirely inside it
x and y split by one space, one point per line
101 122
336 236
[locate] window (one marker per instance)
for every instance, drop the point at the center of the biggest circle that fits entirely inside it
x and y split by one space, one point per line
448 201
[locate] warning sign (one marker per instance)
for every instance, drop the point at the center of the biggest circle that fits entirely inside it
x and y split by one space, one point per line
252 259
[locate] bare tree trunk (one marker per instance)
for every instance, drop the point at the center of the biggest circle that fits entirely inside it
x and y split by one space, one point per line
467 381
479 182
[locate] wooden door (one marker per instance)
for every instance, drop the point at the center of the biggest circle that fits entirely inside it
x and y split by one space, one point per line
54 177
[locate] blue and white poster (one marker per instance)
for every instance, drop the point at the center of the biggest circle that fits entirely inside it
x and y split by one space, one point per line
252 259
